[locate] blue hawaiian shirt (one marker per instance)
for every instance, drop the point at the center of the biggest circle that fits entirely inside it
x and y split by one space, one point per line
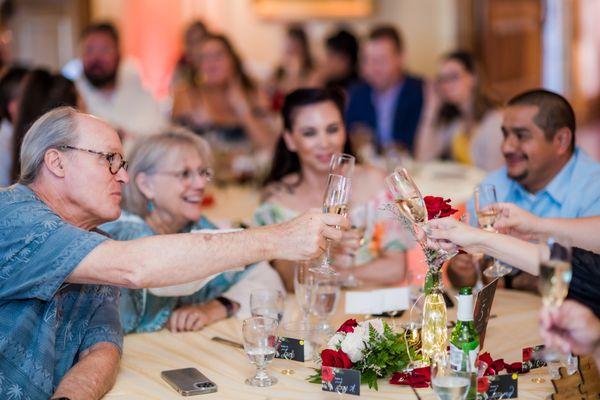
140 310
45 323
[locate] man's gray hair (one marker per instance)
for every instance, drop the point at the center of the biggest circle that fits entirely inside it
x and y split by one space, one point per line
56 128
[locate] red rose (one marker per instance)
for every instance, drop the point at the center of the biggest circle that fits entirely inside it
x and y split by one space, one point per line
483 384
337 359
348 326
327 374
437 207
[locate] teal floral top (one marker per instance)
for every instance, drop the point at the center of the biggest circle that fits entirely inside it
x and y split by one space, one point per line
382 232
142 311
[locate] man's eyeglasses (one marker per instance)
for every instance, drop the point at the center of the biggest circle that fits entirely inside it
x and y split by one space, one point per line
115 160
186 176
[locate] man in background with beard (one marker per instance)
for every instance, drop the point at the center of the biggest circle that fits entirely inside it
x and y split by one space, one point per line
112 92
545 173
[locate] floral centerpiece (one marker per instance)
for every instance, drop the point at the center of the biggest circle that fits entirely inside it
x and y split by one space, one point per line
370 347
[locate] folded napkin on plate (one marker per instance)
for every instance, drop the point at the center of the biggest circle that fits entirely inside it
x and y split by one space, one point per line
186 289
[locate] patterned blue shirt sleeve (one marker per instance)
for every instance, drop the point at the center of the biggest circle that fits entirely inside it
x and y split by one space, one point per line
105 325
38 250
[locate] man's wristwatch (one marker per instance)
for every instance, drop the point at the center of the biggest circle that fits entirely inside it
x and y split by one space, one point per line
228 304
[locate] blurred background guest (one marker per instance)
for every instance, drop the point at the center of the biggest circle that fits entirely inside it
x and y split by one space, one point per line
388 105
169 173
460 122
109 91
314 131
41 92
10 91
185 70
224 99
296 67
340 66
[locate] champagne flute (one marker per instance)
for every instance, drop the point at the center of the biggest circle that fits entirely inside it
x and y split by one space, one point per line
407 196
487 212
260 342
337 196
555 277
342 164
447 383
304 281
411 204
267 303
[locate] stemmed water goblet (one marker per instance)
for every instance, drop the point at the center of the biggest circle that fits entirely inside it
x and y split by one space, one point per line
260 344
447 383
325 298
267 303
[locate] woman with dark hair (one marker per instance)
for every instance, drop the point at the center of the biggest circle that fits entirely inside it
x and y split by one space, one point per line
184 70
223 98
314 131
42 91
460 121
296 69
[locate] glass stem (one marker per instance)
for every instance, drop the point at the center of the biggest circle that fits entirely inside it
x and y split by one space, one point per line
326 257
261 372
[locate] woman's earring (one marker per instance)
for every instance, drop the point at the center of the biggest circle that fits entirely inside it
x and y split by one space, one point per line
150 206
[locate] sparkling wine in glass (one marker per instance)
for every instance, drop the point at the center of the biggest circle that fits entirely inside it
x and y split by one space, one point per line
260 342
407 196
487 212
447 383
267 303
304 283
337 196
325 298
555 274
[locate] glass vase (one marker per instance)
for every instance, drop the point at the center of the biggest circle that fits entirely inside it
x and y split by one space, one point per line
434 333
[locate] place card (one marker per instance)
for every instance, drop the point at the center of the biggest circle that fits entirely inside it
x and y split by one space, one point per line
377 301
340 380
290 349
483 306
500 386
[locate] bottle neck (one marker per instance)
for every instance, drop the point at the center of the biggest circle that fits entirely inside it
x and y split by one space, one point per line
465 308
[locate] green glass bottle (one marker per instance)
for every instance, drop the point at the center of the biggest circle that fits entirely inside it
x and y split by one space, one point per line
464 341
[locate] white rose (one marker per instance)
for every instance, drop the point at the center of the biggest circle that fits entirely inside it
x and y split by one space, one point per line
354 345
336 340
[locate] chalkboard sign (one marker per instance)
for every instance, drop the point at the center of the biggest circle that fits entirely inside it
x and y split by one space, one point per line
290 349
483 306
340 380
499 386
533 357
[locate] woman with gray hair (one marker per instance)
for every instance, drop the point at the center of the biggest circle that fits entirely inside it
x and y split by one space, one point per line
169 174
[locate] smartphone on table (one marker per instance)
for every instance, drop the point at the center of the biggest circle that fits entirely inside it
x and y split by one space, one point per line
189 381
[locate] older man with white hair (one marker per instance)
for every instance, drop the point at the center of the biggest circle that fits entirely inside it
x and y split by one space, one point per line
59 327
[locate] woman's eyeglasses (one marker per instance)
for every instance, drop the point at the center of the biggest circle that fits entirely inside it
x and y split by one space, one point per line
187 175
115 160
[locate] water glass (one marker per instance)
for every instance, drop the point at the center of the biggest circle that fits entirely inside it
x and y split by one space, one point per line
304 281
325 298
260 343
267 303
447 383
